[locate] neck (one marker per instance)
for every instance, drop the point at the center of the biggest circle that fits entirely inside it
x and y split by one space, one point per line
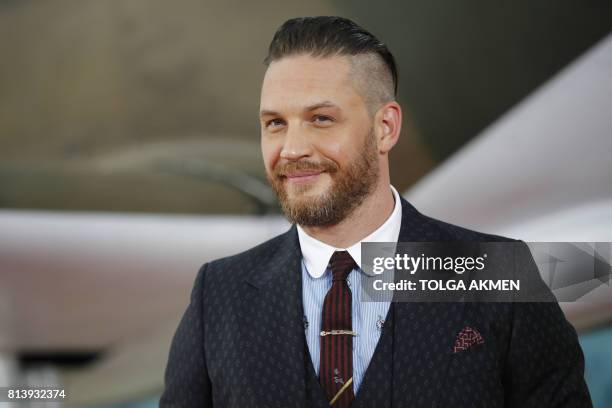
364 220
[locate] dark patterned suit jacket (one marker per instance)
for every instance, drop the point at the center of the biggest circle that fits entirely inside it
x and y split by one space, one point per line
241 342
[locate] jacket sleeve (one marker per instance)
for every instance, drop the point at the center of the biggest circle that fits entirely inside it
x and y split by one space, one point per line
545 366
186 378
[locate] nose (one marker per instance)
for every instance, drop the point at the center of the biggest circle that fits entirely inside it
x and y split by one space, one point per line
296 145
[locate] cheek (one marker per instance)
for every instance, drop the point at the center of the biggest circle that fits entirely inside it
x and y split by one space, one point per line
270 152
339 148
332 149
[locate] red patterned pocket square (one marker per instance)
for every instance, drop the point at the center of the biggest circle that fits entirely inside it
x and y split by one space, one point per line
467 338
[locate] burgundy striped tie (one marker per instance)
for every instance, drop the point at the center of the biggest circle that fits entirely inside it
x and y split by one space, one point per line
336 370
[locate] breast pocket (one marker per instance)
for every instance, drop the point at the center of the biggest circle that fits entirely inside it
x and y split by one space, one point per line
480 357
474 378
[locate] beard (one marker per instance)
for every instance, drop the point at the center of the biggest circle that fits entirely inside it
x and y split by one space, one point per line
349 187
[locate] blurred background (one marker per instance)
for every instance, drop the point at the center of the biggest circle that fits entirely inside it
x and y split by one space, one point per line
129 156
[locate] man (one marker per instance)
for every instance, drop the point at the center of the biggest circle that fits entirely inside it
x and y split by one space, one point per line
283 324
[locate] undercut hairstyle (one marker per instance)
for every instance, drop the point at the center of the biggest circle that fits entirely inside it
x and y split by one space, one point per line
372 64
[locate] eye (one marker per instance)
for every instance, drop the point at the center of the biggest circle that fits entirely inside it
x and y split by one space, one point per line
322 119
275 123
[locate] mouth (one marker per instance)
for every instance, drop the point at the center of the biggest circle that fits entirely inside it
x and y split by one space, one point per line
302 176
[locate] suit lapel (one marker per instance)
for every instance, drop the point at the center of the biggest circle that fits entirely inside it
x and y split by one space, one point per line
423 332
375 389
272 324
416 341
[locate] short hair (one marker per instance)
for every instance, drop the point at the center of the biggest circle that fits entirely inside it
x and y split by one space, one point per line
327 36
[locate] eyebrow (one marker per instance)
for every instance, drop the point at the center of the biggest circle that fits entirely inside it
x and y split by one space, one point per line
310 108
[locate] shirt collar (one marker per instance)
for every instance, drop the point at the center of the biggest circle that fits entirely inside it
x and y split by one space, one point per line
317 254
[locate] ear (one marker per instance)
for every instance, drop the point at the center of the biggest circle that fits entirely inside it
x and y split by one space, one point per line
388 124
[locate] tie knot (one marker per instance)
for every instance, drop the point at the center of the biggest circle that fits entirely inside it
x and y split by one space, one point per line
341 264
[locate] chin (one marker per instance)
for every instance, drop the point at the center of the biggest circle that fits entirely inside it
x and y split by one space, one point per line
302 200
307 192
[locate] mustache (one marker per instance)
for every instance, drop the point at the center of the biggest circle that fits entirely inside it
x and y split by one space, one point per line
283 169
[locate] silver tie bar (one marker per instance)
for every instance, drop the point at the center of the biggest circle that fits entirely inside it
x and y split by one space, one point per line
337 332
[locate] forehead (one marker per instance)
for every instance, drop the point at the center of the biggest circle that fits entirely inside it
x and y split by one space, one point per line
303 80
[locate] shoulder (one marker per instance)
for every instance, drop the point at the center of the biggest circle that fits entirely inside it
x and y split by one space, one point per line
225 283
240 264
432 229
456 232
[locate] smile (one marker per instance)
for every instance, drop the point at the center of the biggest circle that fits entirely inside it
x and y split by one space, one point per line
302 177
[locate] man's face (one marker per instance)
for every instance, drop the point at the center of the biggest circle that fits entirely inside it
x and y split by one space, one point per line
317 139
